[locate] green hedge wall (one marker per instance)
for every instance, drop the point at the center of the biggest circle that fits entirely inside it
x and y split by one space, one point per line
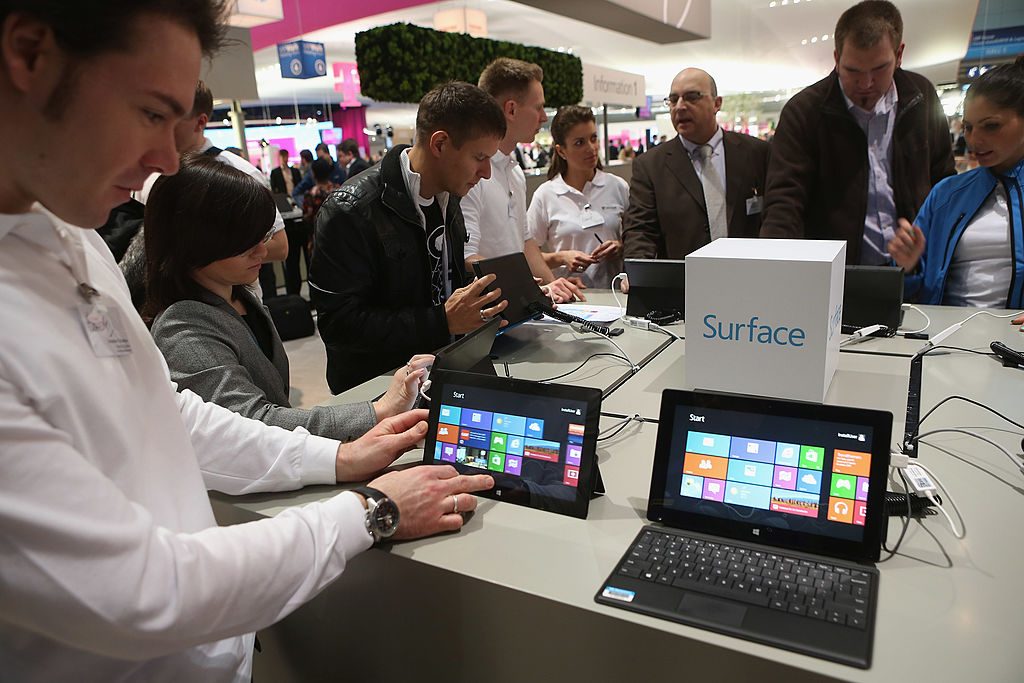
402 62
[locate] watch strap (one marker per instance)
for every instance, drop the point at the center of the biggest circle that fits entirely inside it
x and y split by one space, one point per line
369 493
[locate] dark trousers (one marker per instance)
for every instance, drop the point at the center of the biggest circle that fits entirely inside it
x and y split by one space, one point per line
268 281
298 233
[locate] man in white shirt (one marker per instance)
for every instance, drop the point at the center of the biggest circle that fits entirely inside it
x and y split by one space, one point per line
112 566
495 210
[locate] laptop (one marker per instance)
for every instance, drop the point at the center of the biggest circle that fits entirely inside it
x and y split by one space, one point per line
656 286
769 515
283 202
538 441
873 295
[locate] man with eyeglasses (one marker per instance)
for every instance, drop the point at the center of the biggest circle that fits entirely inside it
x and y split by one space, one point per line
707 185
861 148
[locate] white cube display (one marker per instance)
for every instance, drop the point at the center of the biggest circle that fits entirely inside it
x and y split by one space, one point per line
764 317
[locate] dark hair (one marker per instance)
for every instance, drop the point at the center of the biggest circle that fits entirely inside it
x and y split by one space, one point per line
1003 86
306 156
206 212
321 147
87 28
564 120
460 109
349 146
866 23
322 170
202 101
506 77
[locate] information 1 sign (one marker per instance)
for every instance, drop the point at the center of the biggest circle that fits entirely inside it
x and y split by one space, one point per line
302 59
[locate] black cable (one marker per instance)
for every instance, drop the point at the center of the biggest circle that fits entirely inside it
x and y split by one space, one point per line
591 356
969 400
957 348
619 427
906 520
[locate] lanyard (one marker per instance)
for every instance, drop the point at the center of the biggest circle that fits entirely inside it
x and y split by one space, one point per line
75 251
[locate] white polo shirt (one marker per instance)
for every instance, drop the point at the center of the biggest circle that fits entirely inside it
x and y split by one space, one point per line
561 218
495 210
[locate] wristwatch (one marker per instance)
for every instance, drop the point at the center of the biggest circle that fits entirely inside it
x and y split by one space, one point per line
381 514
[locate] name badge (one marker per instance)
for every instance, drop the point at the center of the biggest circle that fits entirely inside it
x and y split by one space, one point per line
105 329
754 205
591 218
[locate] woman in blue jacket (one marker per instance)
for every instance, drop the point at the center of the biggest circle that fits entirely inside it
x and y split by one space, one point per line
966 247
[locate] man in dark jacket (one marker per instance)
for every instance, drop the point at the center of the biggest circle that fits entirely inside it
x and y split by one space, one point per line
388 276
349 159
860 149
285 177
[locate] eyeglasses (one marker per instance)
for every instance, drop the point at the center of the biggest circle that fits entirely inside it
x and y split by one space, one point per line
265 241
689 97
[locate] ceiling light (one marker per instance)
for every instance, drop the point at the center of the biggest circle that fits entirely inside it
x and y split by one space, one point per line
278 120
803 42
824 37
772 3
814 39
226 122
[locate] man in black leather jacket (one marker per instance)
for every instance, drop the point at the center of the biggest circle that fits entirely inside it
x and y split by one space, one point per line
387 275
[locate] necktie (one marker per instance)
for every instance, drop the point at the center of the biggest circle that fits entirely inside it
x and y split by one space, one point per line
714 193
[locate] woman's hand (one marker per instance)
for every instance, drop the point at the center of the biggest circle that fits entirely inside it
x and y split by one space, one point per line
405 386
907 245
607 250
576 261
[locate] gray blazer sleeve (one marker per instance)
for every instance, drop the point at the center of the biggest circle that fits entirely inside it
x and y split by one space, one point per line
230 370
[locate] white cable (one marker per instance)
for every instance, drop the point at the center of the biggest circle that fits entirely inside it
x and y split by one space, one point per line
615 294
952 503
659 328
861 334
990 313
927 320
987 440
578 328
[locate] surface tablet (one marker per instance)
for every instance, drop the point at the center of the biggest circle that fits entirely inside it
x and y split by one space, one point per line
517 285
538 441
873 295
656 286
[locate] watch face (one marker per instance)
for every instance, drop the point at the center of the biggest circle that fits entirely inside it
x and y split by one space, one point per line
384 518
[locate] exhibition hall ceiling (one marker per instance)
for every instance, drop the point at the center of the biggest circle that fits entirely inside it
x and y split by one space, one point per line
755 45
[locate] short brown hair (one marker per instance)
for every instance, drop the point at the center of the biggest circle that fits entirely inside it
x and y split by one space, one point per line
866 23
202 101
506 77
460 109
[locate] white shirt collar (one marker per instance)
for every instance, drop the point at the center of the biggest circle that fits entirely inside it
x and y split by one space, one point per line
885 104
561 187
714 141
412 184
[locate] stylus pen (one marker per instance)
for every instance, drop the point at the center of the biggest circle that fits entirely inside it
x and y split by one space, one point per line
599 239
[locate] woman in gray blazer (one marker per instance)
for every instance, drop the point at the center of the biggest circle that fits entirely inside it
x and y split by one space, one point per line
206 230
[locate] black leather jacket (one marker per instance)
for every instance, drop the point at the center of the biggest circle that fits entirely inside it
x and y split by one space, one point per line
370 275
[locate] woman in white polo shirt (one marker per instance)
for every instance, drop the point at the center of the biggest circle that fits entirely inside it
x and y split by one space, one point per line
576 216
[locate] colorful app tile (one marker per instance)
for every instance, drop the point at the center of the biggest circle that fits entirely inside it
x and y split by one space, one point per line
514 445
852 462
860 513
840 510
784 478
576 429
862 488
812 457
748 472
513 465
535 428
707 444
496 462
747 494
795 503
508 424
705 466
714 489
575 438
471 457
474 438
447 433
808 481
448 452
437 450
571 476
450 414
542 450
475 418
787 454
752 449
573 455
692 486
843 486
499 442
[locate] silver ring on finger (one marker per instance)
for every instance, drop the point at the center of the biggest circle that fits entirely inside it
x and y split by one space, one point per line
455 500
483 316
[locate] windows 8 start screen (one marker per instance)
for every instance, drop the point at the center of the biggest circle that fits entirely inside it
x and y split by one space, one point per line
785 472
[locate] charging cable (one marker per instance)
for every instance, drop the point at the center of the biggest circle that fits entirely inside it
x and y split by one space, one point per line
938 338
581 328
615 293
927 320
1016 462
924 483
645 324
861 334
614 430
